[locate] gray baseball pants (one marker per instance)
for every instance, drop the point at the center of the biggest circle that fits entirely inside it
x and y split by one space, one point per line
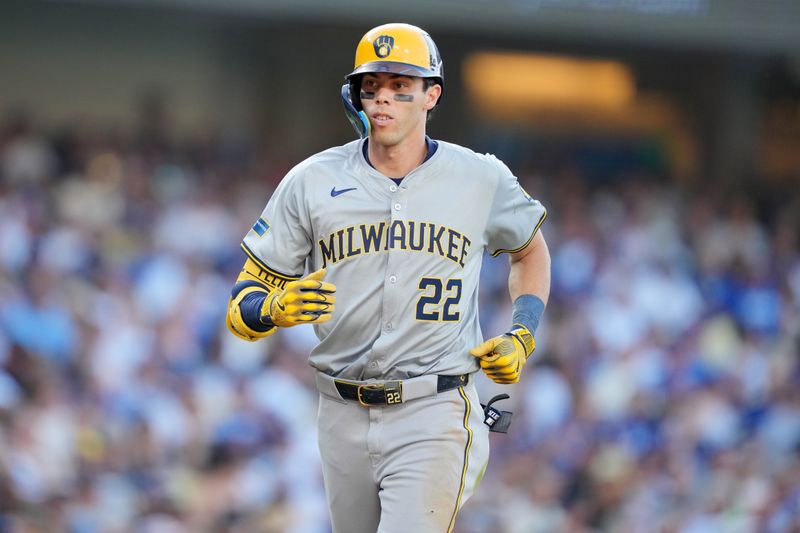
404 467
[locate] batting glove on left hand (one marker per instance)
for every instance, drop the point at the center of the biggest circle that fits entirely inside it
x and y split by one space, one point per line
503 357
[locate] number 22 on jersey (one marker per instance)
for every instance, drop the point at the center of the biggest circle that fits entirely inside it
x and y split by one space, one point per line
439 300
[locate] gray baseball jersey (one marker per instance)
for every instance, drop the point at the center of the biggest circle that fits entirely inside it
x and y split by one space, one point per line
405 258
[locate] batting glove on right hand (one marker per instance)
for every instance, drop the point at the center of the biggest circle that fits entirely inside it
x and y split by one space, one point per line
305 301
502 358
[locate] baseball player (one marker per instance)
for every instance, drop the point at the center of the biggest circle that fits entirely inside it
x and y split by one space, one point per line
391 229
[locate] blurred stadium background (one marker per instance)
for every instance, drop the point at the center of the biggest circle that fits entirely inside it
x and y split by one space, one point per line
140 139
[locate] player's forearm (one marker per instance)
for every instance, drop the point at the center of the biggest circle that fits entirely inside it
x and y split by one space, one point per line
251 307
530 270
244 307
503 357
244 313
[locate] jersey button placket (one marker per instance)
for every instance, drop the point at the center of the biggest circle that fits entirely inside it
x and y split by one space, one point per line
390 285
389 326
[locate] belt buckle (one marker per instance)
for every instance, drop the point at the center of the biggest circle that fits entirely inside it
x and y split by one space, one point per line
393 392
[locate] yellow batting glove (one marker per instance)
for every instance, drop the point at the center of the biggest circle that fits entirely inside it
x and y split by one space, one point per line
305 301
503 357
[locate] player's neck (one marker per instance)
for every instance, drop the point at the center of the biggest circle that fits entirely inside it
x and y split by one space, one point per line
396 161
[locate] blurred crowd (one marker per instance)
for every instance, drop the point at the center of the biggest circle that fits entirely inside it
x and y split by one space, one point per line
665 395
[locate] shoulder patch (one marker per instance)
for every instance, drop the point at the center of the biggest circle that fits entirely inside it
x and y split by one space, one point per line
261 226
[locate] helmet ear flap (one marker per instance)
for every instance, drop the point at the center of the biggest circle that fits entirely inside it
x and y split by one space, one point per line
358 119
354 84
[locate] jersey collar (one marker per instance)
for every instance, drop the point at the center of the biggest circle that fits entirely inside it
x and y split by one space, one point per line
430 144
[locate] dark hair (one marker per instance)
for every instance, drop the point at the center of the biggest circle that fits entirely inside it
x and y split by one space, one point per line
427 83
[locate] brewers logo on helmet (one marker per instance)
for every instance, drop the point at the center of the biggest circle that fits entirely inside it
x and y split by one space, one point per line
383 45
396 48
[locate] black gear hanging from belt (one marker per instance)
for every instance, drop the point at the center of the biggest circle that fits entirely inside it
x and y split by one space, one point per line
497 420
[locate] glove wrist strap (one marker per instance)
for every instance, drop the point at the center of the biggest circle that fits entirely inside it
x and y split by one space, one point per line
266 310
525 338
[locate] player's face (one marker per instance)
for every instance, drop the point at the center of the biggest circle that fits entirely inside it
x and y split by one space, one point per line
396 105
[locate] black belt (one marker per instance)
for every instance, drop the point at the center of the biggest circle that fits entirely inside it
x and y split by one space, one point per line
391 392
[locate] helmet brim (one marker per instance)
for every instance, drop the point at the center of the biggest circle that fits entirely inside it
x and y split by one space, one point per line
404 69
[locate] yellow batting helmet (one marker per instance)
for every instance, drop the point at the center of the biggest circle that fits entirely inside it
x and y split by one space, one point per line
400 49
396 48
